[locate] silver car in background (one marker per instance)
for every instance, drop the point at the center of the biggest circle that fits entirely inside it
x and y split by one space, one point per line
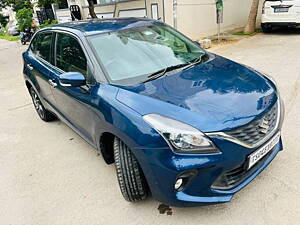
13 29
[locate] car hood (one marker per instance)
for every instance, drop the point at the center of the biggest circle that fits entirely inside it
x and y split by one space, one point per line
216 95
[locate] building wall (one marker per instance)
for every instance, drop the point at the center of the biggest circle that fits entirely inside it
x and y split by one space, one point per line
161 7
138 4
168 11
195 18
63 15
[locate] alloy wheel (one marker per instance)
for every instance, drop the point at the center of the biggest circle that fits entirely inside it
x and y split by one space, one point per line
37 104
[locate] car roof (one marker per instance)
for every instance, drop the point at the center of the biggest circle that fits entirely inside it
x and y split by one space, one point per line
97 26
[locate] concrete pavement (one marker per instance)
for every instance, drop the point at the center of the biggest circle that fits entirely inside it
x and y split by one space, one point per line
49 175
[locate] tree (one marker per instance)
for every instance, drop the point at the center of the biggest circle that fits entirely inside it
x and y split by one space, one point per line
3 3
44 3
47 23
3 20
251 24
24 18
92 9
16 4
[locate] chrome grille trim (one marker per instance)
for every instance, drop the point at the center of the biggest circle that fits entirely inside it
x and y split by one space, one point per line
228 137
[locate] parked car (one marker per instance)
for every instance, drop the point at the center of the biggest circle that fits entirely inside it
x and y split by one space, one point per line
188 126
280 13
13 29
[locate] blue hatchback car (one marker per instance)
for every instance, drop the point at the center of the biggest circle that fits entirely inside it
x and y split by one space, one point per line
185 125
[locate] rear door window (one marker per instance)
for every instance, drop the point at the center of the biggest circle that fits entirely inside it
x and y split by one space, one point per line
33 44
41 46
69 55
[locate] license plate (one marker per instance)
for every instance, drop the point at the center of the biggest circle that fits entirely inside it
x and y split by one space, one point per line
260 153
281 10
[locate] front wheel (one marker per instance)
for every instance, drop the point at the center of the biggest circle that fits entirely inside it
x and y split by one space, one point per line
23 42
131 179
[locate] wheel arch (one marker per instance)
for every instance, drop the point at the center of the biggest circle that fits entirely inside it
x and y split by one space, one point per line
28 85
106 146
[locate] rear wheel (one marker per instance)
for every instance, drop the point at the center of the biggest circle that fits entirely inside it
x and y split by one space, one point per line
131 179
266 28
43 113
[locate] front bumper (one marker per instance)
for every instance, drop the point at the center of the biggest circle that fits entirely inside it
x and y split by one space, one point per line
162 167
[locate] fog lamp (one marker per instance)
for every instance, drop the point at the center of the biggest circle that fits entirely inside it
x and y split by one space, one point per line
184 179
178 183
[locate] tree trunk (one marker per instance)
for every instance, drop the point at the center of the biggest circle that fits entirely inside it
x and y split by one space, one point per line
251 24
92 9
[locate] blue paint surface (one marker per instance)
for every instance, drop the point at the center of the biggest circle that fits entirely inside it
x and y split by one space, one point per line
217 95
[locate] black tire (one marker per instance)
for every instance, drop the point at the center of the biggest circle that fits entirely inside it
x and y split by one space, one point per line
43 113
266 28
131 179
23 42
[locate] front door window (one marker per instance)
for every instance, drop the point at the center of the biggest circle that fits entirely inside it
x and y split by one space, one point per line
69 54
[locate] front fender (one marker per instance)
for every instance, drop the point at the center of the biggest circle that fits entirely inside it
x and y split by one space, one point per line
123 122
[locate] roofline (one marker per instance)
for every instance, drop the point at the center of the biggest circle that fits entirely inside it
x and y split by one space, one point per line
52 28
70 27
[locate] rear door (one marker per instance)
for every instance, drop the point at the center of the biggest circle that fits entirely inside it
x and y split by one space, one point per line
38 64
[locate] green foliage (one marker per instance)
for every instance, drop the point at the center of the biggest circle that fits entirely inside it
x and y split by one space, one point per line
3 3
16 4
21 4
247 34
24 18
219 4
48 23
43 3
5 36
3 20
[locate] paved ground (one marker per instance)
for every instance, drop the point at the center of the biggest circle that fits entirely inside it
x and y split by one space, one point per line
49 175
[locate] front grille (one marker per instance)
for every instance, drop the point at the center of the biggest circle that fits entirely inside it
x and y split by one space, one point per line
233 178
258 129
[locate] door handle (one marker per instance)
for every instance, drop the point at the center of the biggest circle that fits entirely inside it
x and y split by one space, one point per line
29 66
52 83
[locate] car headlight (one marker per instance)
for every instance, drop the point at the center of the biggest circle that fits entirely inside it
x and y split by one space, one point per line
182 137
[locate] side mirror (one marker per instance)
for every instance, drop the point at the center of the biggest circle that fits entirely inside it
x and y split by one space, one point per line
72 79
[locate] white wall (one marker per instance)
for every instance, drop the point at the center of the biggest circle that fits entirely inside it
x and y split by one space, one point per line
197 18
63 15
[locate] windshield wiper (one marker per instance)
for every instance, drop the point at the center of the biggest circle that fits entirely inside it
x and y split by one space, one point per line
162 72
185 66
196 61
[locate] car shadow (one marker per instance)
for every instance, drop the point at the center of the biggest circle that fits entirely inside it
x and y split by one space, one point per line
285 31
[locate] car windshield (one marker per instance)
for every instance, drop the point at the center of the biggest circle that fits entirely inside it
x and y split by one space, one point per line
130 56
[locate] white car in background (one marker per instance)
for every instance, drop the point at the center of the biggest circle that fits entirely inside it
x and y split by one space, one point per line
280 13
13 29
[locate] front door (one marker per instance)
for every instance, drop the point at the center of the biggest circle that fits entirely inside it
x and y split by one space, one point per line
73 103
